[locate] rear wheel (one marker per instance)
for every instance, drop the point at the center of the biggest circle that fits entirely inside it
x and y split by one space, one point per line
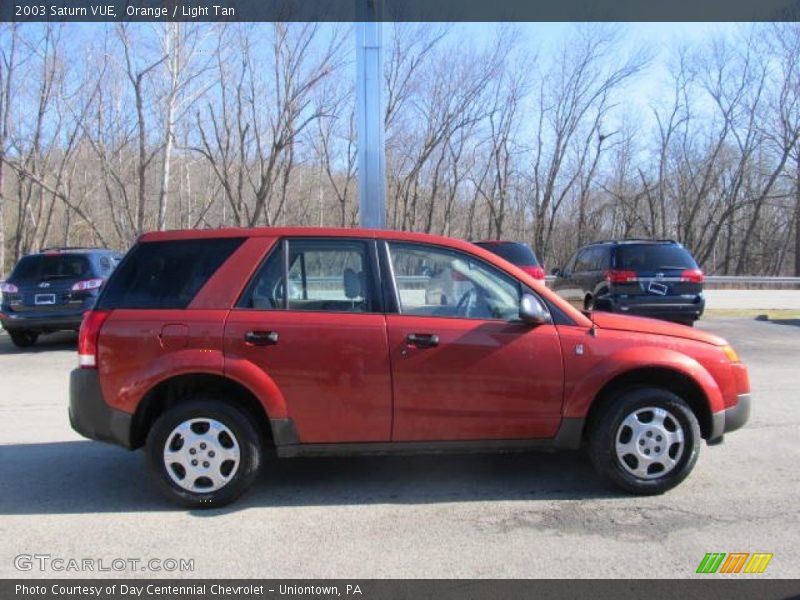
646 442
23 339
203 453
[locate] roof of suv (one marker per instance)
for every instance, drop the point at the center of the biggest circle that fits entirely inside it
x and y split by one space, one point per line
634 241
74 250
184 234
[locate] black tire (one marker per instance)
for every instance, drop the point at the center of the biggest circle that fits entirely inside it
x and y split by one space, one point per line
244 436
588 303
608 428
23 339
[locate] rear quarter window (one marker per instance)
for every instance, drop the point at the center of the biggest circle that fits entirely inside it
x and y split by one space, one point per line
165 274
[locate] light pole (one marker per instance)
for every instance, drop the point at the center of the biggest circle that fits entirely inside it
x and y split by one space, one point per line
369 111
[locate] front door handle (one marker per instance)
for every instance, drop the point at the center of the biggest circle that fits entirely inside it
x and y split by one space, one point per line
261 338
423 340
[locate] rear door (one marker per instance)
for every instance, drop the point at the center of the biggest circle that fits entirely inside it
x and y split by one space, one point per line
312 320
571 287
463 366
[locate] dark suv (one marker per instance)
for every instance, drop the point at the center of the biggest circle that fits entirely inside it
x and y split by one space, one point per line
51 290
651 278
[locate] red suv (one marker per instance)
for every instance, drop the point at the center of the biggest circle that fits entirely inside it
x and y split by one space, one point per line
211 348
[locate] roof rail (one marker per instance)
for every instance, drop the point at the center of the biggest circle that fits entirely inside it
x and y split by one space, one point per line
68 248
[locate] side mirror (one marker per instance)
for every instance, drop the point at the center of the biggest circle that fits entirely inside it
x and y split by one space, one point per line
556 271
532 311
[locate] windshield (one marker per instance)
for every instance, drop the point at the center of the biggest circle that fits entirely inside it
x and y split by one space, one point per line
50 266
653 257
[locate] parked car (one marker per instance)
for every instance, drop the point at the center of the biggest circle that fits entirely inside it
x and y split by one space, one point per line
517 253
196 352
653 278
50 290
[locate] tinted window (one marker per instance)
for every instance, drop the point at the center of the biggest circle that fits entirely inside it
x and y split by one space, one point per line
51 266
515 253
603 258
583 262
322 275
166 274
596 259
439 282
653 257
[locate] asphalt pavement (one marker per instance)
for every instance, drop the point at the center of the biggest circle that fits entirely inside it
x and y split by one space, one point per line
497 516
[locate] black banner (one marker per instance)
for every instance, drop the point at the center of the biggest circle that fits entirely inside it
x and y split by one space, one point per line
420 589
399 10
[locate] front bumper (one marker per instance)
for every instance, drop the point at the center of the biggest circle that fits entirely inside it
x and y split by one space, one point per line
730 419
89 414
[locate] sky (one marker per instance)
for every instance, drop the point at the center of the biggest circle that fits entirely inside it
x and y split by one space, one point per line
659 38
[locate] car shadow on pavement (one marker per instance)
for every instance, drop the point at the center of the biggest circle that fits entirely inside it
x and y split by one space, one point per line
62 340
90 477
795 322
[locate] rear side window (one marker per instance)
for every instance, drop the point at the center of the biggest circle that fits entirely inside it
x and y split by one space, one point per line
166 274
319 275
647 257
41 267
517 254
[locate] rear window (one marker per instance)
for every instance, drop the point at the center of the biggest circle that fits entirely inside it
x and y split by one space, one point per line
165 274
517 254
41 267
653 257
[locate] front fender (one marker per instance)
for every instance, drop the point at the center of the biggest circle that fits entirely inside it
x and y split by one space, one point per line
579 400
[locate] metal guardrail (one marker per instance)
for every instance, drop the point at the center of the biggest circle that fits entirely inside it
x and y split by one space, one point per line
744 279
739 280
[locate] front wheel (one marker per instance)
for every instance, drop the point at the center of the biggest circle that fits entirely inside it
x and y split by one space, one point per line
646 442
203 453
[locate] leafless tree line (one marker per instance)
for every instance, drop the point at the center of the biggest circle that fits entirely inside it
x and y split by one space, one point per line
109 130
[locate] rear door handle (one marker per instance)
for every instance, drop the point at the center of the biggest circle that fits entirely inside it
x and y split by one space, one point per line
423 340
261 338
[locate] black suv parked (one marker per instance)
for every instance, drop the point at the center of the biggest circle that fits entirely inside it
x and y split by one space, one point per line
652 278
50 291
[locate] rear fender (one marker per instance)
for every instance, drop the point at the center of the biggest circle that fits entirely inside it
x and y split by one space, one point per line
262 386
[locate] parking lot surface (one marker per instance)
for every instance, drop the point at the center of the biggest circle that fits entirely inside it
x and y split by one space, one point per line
499 516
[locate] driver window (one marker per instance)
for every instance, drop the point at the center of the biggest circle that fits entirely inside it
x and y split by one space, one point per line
433 281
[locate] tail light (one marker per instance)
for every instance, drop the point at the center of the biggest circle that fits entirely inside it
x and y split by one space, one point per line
693 275
616 276
8 288
87 338
536 272
87 284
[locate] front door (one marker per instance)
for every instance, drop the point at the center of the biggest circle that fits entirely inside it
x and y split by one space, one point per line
463 366
311 320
